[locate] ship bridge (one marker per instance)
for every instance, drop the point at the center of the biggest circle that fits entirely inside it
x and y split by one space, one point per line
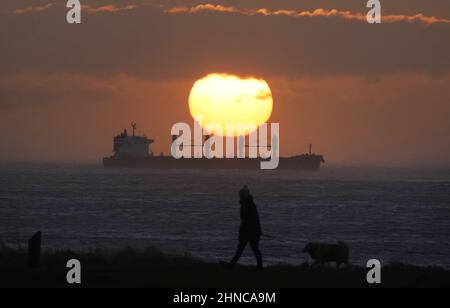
131 146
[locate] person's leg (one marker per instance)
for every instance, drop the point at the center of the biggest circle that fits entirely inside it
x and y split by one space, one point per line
239 252
255 247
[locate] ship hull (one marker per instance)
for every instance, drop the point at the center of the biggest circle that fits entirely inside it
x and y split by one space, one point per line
303 162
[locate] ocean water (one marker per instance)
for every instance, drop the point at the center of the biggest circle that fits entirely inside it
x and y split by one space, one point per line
394 215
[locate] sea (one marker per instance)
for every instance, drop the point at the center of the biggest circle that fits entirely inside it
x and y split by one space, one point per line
395 215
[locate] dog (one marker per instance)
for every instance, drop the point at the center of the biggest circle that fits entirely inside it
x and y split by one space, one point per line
324 253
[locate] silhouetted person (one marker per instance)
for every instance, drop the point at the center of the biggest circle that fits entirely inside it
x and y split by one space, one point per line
250 229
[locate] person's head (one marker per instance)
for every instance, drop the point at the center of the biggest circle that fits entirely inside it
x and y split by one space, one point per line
245 195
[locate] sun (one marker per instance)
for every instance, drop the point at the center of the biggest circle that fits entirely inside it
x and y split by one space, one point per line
224 99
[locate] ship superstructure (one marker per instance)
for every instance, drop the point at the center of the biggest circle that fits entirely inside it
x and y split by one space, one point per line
126 146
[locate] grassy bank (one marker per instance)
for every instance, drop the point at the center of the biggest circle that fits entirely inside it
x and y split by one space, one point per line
151 268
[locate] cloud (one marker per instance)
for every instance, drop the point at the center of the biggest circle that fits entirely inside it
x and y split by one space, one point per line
23 90
206 7
109 8
320 12
34 9
155 44
209 7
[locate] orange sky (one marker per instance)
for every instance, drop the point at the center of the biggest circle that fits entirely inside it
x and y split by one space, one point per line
362 94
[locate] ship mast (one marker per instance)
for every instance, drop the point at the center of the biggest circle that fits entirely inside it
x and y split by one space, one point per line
134 126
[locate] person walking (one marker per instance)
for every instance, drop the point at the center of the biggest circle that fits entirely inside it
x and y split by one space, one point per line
250 228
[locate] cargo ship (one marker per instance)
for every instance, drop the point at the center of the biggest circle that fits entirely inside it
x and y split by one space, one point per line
132 151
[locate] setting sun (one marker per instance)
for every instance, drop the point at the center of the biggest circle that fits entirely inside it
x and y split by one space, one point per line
228 99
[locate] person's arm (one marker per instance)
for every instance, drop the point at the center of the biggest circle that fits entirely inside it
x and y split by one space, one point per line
259 224
243 214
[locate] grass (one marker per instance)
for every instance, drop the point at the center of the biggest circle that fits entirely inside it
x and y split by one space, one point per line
152 268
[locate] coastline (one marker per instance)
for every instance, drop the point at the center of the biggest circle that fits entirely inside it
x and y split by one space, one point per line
151 268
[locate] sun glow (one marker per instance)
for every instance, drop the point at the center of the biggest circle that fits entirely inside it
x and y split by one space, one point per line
225 99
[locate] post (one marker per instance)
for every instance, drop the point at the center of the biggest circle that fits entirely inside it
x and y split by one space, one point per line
34 250
134 126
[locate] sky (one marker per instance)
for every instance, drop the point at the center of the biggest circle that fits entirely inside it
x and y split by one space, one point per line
362 94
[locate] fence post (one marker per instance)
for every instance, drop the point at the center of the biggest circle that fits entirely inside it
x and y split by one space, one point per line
34 250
